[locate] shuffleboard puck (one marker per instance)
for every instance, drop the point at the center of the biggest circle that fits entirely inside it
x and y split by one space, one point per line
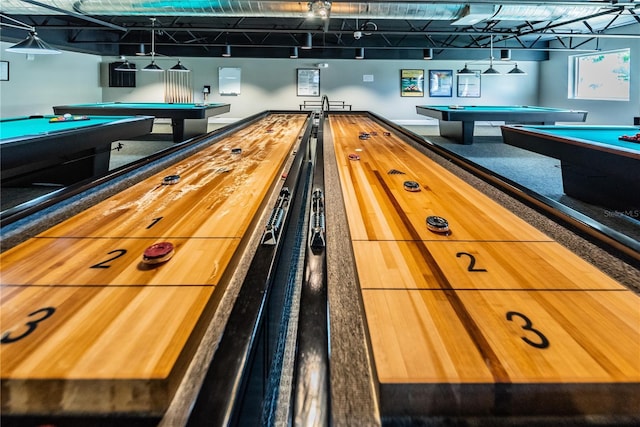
353 156
236 151
171 179
411 186
437 224
158 253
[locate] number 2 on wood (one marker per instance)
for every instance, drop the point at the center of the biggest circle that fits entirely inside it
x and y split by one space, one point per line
528 326
31 325
472 262
104 264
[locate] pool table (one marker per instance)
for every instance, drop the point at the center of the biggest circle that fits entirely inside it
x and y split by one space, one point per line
187 119
457 122
36 150
597 167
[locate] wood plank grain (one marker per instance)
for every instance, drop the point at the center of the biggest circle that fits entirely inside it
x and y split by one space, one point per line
476 265
488 319
87 326
380 200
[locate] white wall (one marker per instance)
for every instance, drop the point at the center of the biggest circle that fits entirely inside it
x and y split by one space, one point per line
271 84
68 78
36 85
554 78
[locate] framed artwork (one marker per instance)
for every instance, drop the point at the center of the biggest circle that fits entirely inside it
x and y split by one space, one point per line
308 82
441 83
4 71
469 85
411 82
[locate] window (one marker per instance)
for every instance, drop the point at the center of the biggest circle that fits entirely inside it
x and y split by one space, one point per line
603 75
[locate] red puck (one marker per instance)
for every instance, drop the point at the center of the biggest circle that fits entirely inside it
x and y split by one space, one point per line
157 253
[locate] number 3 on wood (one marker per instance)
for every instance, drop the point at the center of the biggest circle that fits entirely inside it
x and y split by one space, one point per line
31 326
528 326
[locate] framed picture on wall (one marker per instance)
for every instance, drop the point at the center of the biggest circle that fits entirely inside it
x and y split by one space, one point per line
411 82
469 85
308 82
441 83
4 71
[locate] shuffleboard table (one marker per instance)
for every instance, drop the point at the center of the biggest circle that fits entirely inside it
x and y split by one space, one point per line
457 122
63 151
491 317
597 167
187 119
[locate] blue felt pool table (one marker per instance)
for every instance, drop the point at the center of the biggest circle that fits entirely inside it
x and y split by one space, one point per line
187 119
457 122
62 152
597 167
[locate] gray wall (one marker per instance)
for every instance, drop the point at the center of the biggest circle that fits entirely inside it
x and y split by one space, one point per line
554 76
36 85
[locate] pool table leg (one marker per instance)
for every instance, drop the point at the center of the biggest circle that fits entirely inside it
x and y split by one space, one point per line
461 132
177 129
184 129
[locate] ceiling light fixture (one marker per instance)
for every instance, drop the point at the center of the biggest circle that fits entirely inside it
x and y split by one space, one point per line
293 52
465 70
126 66
491 71
427 53
179 68
319 9
153 67
226 52
360 53
33 45
308 43
516 70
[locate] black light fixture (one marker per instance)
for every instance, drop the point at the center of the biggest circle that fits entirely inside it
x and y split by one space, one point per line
293 52
126 66
226 51
179 68
360 53
427 53
308 42
33 45
141 50
516 70
153 66
491 71
465 70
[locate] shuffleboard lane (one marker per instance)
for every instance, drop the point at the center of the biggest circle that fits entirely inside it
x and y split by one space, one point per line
83 316
487 320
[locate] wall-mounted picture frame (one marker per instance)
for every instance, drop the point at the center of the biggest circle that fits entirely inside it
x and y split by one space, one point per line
469 85
441 83
4 71
411 82
308 82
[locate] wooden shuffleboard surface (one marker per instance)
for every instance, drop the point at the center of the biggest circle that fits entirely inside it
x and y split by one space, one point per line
87 327
495 318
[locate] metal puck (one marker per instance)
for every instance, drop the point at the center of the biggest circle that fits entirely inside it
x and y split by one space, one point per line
437 224
171 179
411 186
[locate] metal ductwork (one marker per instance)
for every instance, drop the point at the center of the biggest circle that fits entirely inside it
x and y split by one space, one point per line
290 9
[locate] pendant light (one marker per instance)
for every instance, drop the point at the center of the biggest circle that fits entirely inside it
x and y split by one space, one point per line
153 66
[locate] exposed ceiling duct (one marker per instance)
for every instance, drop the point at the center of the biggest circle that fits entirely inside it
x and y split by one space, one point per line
288 9
387 29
